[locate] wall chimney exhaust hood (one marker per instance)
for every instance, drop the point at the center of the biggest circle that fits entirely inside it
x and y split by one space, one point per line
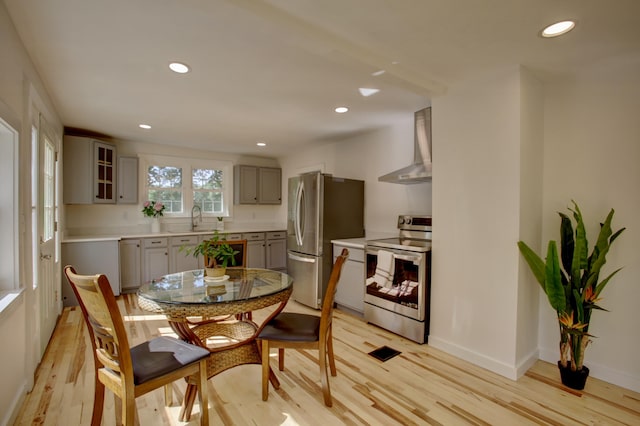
420 170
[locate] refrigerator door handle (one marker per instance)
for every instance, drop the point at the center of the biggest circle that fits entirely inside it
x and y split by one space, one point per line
299 224
302 259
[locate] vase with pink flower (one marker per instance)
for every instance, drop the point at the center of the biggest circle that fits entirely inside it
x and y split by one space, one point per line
154 210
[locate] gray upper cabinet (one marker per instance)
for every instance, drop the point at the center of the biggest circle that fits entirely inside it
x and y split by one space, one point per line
269 185
257 185
89 171
127 180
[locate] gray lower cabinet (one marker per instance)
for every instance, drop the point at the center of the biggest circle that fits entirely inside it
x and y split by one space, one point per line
90 258
223 236
155 258
180 261
130 276
350 291
145 259
255 249
266 250
276 250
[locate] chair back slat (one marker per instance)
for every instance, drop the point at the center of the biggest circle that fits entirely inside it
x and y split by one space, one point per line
330 292
158 362
102 315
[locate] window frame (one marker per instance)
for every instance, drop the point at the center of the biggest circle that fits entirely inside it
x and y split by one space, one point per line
10 283
188 164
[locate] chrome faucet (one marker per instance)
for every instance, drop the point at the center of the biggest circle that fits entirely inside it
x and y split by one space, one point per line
193 216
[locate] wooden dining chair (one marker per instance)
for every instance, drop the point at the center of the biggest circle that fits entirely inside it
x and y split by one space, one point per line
302 331
130 372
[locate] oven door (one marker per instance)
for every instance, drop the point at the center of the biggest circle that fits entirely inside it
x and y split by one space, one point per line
405 294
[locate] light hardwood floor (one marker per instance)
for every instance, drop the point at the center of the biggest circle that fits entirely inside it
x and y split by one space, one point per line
420 386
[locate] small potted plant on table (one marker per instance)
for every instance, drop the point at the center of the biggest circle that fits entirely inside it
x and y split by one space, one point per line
217 255
572 285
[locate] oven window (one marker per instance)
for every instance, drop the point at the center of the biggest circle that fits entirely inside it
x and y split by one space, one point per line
402 289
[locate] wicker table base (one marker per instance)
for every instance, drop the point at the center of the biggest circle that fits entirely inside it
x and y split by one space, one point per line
231 341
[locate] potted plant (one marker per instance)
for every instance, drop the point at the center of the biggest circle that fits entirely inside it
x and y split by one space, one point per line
572 284
217 255
154 210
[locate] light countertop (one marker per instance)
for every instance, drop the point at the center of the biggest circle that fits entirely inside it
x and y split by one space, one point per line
360 243
357 243
94 238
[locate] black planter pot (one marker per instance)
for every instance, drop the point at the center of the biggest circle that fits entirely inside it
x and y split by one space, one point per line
573 379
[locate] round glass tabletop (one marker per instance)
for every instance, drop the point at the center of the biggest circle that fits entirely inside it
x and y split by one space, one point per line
192 287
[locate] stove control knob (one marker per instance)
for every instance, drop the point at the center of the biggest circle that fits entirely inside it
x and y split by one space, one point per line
407 220
400 220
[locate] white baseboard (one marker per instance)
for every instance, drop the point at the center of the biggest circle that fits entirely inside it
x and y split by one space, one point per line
10 416
499 367
512 372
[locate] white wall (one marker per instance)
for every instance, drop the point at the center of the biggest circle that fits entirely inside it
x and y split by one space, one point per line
531 169
21 92
366 157
476 200
590 150
592 155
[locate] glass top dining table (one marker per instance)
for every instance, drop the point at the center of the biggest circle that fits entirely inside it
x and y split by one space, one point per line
191 293
217 314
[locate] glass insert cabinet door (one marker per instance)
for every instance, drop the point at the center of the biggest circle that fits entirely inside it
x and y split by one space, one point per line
104 169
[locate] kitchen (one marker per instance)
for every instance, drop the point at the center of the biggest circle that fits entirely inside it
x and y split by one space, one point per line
483 197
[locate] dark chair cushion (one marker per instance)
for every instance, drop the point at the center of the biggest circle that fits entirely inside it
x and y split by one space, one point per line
162 355
292 327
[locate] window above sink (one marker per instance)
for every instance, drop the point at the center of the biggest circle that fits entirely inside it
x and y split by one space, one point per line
181 183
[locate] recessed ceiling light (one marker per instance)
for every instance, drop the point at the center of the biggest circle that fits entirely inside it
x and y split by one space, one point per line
179 67
558 29
367 92
144 126
377 73
341 110
261 144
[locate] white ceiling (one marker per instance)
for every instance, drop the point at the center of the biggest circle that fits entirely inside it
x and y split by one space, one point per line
273 70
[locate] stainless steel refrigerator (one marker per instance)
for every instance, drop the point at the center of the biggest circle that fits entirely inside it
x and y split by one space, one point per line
321 208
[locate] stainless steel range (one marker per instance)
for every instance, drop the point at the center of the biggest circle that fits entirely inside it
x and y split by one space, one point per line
398 271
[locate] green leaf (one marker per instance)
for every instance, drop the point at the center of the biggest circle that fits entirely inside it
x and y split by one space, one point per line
605 232
553 284
601 249
534 261
604 282
566 242
616 235
579 301
579 260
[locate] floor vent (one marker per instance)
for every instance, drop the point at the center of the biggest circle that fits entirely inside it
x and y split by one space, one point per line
384 353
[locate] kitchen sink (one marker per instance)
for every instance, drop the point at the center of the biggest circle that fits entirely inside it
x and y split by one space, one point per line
189 231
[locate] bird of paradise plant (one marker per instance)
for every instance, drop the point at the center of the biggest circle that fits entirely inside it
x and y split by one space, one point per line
572 284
